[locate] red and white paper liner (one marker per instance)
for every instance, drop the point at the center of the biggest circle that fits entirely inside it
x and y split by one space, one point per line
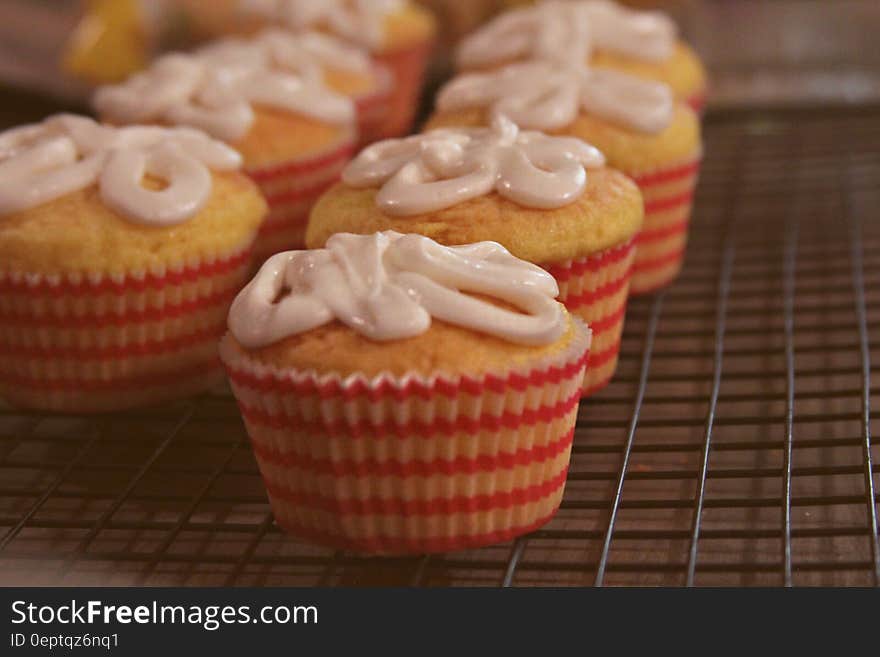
596 289
408 66
403 465
291 189
96 343
697 101
668 194
374 108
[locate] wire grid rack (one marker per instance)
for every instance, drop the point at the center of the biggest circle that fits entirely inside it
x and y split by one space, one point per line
733 448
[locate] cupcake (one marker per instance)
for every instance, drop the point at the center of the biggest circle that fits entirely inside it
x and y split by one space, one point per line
116 38
268 102
407 397
635 123
343 68
120 253
604 34
548 200
399 34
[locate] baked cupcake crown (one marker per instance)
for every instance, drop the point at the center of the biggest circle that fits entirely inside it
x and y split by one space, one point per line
389 286
545 96
215 89
358 21
65 153
442 168
566 31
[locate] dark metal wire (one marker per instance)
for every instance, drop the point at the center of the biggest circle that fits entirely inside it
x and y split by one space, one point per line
185 516
247 555
791 234
516 553
105 517
647 352
858 278
718 362
41 500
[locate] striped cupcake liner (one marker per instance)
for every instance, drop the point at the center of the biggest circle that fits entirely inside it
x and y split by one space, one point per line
697 102
668 195
373 110
291 189
97 343
403 465
596 289
408 66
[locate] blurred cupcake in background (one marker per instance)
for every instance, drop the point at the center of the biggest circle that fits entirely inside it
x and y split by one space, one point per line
399 34
548 200
636 123
602 33
120 253
406 397
266 98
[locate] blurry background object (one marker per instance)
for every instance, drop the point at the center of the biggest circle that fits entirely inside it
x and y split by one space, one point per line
786 52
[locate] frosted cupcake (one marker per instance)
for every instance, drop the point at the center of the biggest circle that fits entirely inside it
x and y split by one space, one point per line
265 99
548 200
604 34
397 33
406 397
635 123
120 253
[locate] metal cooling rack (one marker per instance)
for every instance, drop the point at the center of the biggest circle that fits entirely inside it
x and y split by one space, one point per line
733 448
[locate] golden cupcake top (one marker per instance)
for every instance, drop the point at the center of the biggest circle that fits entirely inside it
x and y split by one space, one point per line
217 88
43 162
569 31
389 286
541 95
608 213
442 168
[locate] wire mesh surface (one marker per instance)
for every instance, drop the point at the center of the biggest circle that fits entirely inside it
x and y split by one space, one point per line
733 448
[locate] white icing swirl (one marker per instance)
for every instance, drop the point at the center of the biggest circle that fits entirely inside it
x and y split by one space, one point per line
215 89
553 32
544 96
357 21
388 286
442 168
66 153
566 32
645 35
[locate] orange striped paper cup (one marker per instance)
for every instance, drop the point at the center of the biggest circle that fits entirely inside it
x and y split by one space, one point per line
409 67
403 465
97 342
596 289
291 189
668 195
373 109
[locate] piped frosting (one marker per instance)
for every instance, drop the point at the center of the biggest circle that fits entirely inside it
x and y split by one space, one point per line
215 89
389 286
442 168
66 153
357 21
544 96
567 32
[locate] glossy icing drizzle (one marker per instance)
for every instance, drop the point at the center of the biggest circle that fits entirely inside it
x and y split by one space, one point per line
442 168
357 21
646 35
388 286
566 32
215 89
544 96
66 153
